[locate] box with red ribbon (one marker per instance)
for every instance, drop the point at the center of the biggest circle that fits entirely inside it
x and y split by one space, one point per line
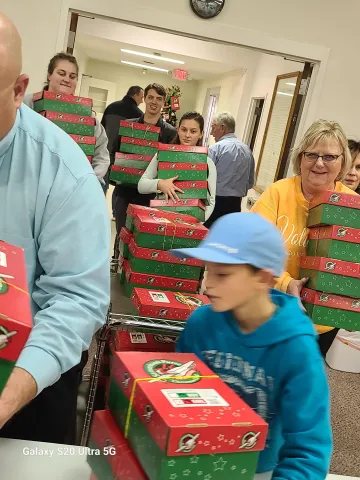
134 210
181 420
138 146
334 208
193 207
139 130
15 308
142 342
60 102
184 171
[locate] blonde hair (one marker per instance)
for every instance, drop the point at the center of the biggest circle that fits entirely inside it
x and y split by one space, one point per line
323 130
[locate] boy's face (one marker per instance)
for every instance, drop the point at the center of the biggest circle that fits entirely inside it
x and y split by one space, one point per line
233 286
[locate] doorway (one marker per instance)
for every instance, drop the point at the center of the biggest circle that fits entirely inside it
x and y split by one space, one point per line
252 128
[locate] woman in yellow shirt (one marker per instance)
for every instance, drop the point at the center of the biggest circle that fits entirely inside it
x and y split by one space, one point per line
321 161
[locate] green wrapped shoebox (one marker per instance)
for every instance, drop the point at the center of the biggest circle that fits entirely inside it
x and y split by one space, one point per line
337 242
139 130
182 154
184 171
192 190
133 210
138 146
193 207
126 176
333 208
72 124
124 240
58 102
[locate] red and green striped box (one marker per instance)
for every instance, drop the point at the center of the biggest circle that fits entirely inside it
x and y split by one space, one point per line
138 146
193 207
182 154
87 144
182 421
184 171
332 310
70 123
159 262
333 208
195 190
126 176
142 342
124 239
139 130
163 234
15 309
60 102
157 282
134 210
337 242
331 276
109 454
132 161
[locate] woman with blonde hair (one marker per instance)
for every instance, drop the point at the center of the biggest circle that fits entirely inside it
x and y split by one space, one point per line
321 161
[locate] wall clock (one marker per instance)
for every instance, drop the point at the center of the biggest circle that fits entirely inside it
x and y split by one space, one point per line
207 8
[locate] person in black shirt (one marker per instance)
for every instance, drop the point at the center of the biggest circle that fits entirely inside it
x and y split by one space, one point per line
155 96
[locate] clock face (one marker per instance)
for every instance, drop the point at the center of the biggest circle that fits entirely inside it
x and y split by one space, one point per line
207 8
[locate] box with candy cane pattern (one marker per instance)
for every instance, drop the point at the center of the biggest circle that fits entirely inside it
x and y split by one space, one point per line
181 420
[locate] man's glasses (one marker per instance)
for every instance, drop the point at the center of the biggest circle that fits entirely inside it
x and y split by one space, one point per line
313 157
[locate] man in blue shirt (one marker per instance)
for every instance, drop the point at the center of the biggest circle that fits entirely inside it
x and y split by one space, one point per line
234 164
50 201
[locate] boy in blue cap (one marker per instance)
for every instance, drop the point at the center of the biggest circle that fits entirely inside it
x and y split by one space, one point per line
261 343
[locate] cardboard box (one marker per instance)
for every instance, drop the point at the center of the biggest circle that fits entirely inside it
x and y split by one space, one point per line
15 308
168 305
333 208
134 210
163 234
60 102
157 282
130 160
109 454
70 123
126 176
124 240
332 310
87 144
182 420
138 146
336 242
331 276
184 171
193 207
159 262
139 130
182 153
142 342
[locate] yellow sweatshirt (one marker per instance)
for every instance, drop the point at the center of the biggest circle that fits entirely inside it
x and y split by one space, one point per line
284 204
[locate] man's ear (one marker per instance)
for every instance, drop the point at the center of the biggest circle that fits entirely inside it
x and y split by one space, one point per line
20 87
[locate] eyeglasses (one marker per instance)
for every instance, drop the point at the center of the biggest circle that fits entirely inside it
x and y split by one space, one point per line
313 157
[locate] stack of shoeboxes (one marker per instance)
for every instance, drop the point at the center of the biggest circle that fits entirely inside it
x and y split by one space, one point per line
15 310
72 114
170 417
139 143
332 295
189 164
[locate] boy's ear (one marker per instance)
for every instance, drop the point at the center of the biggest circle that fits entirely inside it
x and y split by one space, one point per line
267 278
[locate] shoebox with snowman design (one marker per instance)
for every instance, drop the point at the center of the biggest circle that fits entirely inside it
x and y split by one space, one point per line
15 309
181 420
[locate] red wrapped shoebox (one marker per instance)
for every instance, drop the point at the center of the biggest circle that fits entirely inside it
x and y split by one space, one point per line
134 210
83 139
142 342
125 238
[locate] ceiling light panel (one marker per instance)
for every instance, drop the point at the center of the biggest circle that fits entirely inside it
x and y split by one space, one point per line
148 55
143 65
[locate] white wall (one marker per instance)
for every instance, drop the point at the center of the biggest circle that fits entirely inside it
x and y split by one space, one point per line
125 77
82 60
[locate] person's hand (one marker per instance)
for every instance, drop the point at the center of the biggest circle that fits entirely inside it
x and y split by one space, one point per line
169 189
295 286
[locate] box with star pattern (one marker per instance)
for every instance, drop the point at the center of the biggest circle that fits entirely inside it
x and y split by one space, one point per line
142 342
333 208
87 144
164 234
193 207
160 262
184 171
114 458
157 282
337 242
168 305
132 161
138 146
125 175
181 420
15 310
182 153
60 102
332 310
197 190
125 238
70 123
139 130
331 276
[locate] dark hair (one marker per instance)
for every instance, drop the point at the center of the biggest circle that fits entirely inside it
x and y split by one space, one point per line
57 58
134 90
354 148
159 89
191 116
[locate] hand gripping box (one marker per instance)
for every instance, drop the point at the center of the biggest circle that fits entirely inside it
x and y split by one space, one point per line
184 171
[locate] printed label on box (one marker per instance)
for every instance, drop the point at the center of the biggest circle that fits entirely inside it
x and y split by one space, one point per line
194 398
138 338
3 261
159 297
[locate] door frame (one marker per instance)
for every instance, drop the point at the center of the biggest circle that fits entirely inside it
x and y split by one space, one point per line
252 107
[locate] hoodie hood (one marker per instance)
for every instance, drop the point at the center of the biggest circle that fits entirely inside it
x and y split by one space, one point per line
286 323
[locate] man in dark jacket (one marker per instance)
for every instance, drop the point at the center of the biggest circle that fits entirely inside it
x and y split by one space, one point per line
155 96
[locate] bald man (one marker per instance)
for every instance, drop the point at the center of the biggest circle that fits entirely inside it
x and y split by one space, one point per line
50 201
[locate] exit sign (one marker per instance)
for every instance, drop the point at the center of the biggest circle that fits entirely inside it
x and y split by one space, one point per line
180 74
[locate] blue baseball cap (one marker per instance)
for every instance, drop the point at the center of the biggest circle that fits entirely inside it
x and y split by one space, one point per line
239 239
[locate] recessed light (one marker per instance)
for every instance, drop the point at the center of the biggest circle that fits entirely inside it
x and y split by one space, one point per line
142 65
149 55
